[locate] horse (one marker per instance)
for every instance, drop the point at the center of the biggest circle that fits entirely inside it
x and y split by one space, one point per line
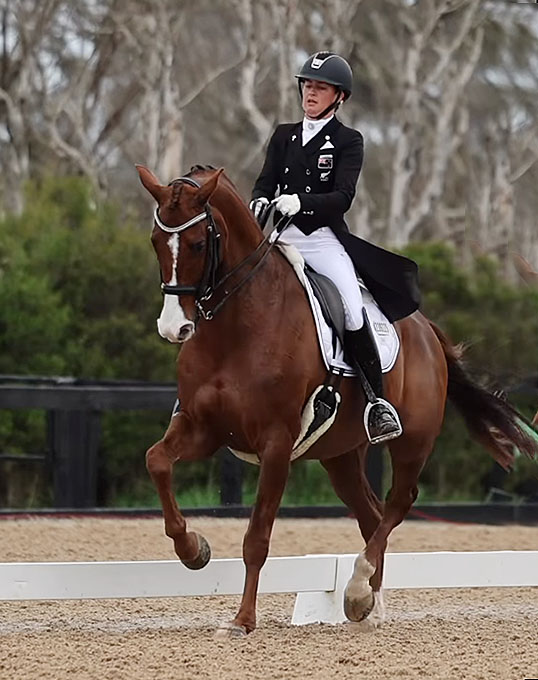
249 361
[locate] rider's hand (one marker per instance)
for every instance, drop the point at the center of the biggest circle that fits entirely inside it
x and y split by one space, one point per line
257 205
288 204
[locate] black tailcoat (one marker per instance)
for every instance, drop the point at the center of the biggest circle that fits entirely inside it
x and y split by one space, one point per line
324 174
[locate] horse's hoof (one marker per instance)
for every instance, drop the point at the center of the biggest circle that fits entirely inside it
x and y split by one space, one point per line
229 631
357 608
203 556
358 596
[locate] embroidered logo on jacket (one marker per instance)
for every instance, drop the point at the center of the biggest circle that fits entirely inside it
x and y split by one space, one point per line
325 161
324 176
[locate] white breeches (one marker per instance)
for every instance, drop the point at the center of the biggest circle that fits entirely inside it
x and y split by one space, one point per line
326 255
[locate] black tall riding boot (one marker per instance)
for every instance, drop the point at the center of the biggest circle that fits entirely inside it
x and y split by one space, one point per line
380 418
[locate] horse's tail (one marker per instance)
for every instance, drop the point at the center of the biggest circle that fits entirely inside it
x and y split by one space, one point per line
491 420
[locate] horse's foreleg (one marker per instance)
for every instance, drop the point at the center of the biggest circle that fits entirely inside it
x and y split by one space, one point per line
408 457
274 470
181 442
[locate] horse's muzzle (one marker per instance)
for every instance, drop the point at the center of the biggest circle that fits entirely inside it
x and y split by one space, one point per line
177 334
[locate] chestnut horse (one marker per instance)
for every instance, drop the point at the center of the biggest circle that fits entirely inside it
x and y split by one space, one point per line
251 360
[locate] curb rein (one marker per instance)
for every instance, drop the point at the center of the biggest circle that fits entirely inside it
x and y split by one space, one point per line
209 284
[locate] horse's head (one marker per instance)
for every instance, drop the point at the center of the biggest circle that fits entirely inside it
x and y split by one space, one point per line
186 240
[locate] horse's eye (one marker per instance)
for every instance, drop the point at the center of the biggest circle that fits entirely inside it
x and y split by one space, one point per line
198 246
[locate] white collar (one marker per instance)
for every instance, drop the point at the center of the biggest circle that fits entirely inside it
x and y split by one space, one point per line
312 127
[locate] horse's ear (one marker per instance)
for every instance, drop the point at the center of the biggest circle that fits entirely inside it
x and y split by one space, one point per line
205 191
150 182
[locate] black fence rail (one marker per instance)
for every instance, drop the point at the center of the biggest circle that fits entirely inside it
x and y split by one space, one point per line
456 513
74 409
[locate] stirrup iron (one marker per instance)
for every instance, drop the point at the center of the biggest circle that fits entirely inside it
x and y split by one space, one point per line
389 435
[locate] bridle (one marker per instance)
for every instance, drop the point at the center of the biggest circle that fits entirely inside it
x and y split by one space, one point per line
209 284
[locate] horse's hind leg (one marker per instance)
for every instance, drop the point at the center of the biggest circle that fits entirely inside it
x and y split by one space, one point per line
180 442
348 477
408 456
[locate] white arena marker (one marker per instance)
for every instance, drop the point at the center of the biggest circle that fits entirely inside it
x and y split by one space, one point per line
424 570
318 580
92 580
504 568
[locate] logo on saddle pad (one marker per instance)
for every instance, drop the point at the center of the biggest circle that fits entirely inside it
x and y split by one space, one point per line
381 328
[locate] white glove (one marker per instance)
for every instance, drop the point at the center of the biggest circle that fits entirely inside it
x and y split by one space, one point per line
257 205
288 204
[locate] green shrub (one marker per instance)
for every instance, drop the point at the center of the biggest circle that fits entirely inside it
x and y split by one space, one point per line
79 296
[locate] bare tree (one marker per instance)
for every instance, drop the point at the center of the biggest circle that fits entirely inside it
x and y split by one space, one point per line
445 93
24 30
429 70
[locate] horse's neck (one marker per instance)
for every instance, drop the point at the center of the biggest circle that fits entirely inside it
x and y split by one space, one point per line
264 285
269 305
243 233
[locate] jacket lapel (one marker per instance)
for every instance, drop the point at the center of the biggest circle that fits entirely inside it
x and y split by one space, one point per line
320 139
294 137
295 149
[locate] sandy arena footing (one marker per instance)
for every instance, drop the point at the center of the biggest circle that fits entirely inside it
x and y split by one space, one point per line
463 633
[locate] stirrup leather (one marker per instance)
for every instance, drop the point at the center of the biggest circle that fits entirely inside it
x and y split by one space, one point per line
389 435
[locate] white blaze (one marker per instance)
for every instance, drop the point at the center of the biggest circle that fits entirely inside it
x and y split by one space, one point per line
172 318
173 244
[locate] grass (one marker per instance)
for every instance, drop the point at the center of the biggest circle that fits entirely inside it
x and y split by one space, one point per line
308 484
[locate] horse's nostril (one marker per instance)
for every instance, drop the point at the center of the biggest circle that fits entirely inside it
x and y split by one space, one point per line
184 332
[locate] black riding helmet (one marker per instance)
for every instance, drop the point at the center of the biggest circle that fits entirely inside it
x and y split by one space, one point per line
327 67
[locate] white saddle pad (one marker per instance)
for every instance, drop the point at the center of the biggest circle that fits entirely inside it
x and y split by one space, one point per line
386 338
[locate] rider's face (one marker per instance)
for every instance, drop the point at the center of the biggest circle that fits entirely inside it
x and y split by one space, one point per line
317 96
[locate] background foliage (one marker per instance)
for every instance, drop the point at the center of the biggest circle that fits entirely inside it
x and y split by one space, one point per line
445 93
79 296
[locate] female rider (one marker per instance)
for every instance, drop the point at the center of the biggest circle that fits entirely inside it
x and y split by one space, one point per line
313 167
